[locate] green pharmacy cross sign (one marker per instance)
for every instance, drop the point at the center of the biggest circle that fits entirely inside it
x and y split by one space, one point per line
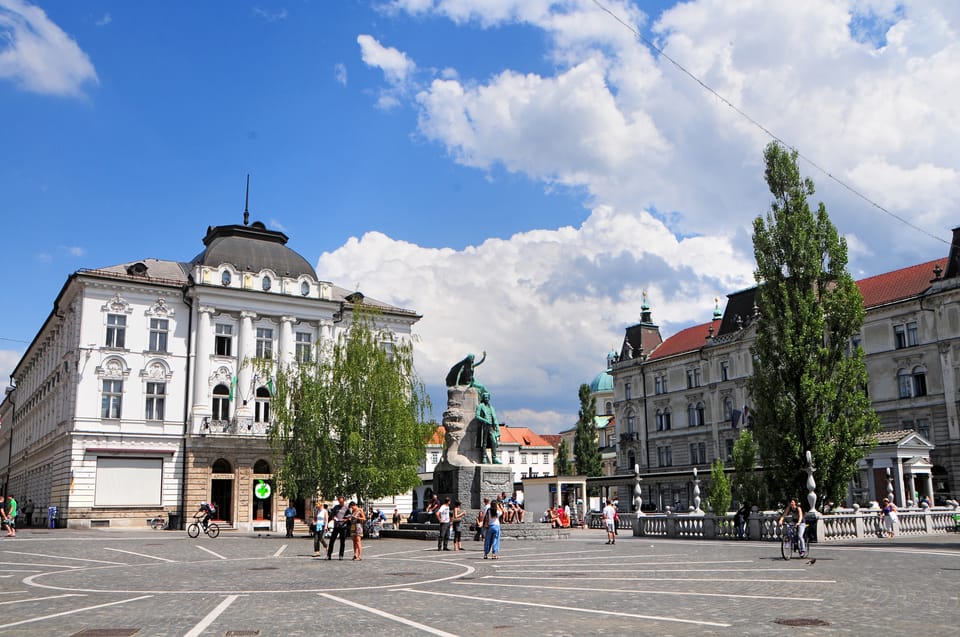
262 490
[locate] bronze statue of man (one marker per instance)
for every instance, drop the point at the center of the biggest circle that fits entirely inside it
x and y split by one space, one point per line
489 431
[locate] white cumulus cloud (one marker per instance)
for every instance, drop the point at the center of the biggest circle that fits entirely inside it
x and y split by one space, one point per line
37 55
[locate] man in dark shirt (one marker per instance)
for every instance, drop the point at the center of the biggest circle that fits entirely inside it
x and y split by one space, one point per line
340 519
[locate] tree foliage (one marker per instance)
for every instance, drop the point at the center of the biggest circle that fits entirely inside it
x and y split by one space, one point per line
586 448
808 385
719 488
561 464
746 482
351 422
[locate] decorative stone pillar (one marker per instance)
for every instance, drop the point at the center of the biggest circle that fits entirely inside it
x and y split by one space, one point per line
890 491
286 344
201 362
696 493
246 350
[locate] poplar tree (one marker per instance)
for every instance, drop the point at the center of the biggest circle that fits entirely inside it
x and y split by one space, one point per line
586 449
808 383
352 421
561 464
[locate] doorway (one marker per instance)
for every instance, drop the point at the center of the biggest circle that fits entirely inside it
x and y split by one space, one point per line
221 494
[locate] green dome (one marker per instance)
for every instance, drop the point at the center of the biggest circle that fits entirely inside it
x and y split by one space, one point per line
602 382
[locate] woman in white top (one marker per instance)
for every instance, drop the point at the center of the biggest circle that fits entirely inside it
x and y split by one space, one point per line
320 518
491 522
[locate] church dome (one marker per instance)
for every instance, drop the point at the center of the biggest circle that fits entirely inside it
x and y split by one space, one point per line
602 382
251 249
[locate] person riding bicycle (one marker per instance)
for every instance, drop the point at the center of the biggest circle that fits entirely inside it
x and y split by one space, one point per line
208 509
793 515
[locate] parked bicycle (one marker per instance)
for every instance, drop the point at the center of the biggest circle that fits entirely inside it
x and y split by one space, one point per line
194 528
790 543
161 523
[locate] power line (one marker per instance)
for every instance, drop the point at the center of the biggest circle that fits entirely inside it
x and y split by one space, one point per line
14 340
767 131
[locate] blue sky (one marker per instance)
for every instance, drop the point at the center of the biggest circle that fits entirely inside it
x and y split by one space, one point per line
518 171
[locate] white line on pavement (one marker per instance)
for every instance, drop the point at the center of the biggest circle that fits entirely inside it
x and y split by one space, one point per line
212 615
61 557
386 615
71 612
625 562
152 557
37 599
280 550
606 613
647 592
779 580
38 564
202 548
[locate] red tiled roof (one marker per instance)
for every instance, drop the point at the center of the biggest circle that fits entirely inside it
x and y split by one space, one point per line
508 433
899 284
686 340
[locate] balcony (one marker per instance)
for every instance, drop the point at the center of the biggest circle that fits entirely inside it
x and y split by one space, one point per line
628 436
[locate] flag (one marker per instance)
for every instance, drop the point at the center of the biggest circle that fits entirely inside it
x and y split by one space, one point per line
746 415
735 418
270 385
233 387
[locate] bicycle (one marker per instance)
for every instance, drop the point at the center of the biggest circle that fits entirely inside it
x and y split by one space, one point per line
160 523
790 542
193 529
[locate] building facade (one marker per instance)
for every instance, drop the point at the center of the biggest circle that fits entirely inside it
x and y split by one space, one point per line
689 399
140 393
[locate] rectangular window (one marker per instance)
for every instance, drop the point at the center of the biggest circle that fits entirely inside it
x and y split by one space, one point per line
546 458
730 443
155 400
693 378
128 481
304 351
523 458
906 385
657 385
261 407
264 343
510 458
224 340
698 453
158 335
919 384
923 427
116 330
112 398
534 458
434 457
626 391
664 457
724 370
912 339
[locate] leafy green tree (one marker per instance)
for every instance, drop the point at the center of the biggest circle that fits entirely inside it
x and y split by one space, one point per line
351 422
719 488
745 479
808 385
561 464
586 448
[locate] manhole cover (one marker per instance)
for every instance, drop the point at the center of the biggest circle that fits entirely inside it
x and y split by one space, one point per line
801 621
107 632
263 568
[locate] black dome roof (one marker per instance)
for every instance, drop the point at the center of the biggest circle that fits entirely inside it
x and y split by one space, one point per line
252 248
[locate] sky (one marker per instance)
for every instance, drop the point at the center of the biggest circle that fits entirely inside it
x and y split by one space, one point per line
519 172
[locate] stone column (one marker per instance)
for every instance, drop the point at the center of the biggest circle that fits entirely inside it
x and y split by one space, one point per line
201 362
286 344
246 350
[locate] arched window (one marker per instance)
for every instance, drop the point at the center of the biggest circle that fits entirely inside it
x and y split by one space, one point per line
912 383
261 405
663 420
630 421
728 409
609 408
261 466
221 402
694 414
701 419
221 466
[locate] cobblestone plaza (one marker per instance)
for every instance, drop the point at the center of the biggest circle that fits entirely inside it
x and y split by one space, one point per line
89 583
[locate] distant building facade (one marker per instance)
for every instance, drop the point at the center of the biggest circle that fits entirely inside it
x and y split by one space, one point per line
138 396
688 397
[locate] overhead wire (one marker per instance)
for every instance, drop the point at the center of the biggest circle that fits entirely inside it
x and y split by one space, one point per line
760 126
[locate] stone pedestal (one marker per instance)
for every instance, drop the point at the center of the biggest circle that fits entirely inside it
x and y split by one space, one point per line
471 484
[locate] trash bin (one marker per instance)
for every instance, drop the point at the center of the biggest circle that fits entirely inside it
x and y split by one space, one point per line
174 522
52 517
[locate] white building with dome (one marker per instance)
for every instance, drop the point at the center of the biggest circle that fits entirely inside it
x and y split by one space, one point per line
137 396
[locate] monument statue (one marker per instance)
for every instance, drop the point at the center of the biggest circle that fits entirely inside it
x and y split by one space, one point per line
462 372
489 431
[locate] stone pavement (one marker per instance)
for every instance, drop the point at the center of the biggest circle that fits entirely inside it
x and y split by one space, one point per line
146 583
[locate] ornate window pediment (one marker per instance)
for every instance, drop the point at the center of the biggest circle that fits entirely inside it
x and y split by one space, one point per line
117 305
156 370
160 308
113 368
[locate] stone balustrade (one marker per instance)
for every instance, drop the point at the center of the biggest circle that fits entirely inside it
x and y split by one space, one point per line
844 524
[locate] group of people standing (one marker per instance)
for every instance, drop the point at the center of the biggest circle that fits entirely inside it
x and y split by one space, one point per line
450 518
342 520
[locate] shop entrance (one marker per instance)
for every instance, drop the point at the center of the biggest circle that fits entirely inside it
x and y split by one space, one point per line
221 494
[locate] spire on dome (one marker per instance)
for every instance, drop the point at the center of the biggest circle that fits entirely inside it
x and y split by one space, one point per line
717 314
